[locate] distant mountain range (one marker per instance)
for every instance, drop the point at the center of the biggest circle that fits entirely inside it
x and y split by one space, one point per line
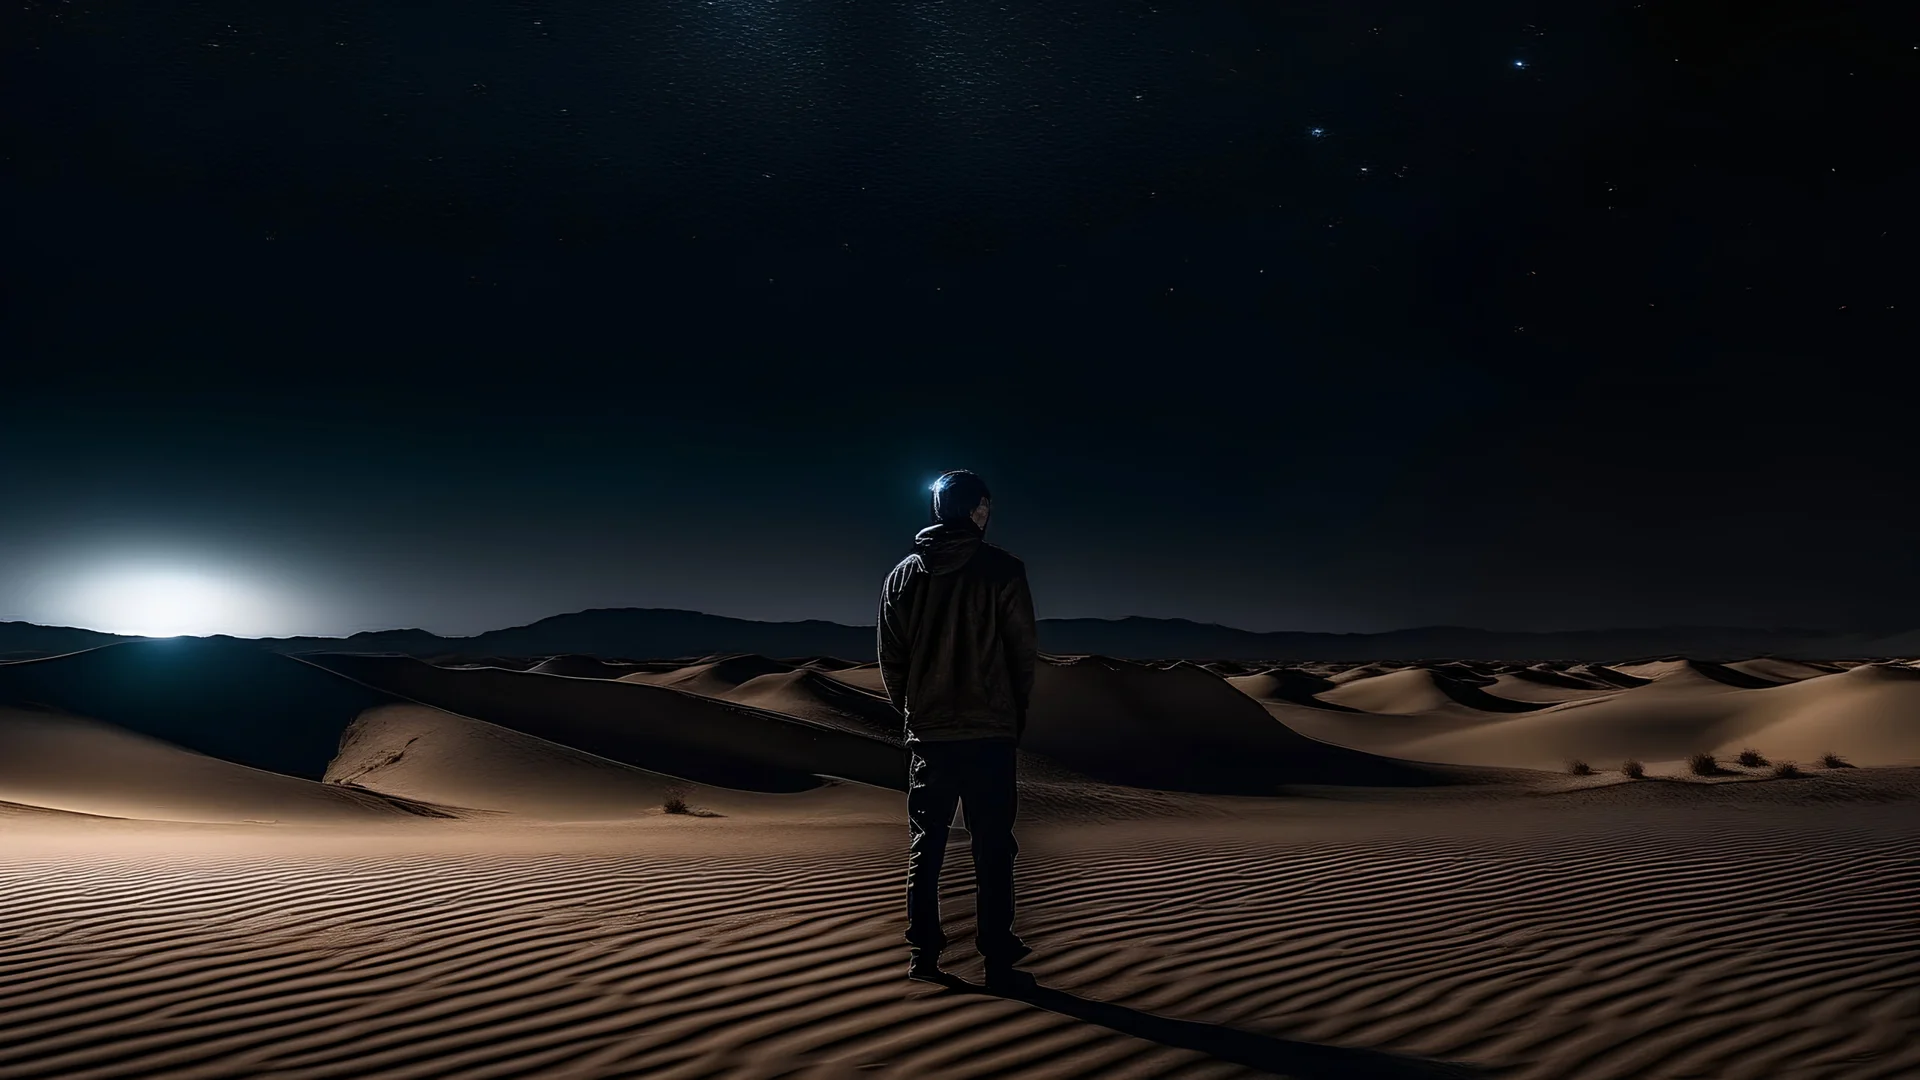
665 633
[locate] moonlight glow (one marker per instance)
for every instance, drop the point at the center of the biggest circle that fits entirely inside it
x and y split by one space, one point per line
164 603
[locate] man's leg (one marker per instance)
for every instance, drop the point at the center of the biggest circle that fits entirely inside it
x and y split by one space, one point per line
992 802
931 795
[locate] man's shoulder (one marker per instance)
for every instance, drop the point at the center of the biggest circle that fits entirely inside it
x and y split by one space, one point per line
903 570
1000 560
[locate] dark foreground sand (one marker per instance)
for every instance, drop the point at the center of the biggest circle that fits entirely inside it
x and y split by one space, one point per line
1602 933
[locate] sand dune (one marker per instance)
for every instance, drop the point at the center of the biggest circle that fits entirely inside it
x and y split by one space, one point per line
1183 729
1177 728
1868 715
658 728
1780 670
59 761
824 663
811 695
861 676
575 666
1417 690
1546 686
434 756
1605 674
1681 669
227 699
712 677
1361 671
1285 684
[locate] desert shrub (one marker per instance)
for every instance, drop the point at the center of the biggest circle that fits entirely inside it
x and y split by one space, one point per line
1633 769
1751 758
1579 768
676 801
1787 770
1832 760
1703 765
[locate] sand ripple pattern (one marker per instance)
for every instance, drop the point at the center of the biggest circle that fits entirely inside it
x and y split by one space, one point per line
1728 950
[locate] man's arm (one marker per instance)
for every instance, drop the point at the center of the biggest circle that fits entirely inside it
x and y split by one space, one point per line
1022 643
891 629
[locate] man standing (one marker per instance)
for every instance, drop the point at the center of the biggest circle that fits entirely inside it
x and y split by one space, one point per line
957 650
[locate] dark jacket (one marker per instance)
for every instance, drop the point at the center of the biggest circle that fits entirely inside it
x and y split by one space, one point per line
957 643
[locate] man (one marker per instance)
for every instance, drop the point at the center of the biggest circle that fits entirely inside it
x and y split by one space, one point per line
956 653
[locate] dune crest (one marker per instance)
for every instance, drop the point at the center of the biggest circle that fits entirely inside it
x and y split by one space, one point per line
1417 690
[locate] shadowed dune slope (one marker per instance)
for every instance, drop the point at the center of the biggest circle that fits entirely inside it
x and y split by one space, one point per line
1184 729
863 677
575 666
427 753
811 695
1362 671
226 699
1281 685
432 755
1605 674
1778 669
1285 684
1417 690
824 663
463 660
1178 728
1546 686
704 740
1683 668
711 677
70 763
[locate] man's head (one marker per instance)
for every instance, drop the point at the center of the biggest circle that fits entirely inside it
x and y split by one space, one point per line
960 496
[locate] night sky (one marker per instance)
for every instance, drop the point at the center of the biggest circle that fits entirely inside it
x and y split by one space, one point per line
1331 316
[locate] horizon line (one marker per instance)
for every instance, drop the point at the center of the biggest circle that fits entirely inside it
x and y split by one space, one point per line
1458 627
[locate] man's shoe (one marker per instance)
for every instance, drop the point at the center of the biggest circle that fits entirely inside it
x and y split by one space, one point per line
925 969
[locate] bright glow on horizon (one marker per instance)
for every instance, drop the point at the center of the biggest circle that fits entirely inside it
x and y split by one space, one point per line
164 603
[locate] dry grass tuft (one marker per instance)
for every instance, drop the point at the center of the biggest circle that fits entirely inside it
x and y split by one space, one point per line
1703 765
1832 760
676 801
1751 759
1633 769
1787 770
1579 768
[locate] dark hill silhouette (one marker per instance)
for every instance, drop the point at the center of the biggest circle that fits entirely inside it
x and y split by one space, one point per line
656 633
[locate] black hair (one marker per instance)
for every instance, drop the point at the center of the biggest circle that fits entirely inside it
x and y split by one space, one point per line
956 494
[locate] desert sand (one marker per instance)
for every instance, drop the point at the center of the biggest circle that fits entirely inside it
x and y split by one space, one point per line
223 862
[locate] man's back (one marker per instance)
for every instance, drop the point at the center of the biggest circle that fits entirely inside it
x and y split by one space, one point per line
957 652
956 637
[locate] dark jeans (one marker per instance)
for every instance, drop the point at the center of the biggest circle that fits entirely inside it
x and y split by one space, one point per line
978 773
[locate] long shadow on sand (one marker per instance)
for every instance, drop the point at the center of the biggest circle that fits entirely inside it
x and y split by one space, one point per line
1283 1057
